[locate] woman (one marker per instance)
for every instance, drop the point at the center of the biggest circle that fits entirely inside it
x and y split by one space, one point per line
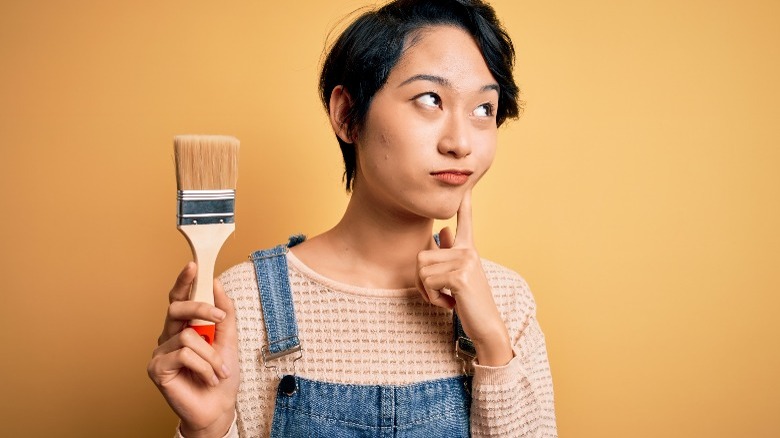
351 333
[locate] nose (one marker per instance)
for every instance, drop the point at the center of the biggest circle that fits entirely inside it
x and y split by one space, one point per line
455 139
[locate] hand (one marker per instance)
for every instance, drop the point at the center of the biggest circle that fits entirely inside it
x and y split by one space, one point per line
451 276
199 381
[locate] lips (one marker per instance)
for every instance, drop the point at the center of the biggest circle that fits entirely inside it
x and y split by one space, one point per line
453 177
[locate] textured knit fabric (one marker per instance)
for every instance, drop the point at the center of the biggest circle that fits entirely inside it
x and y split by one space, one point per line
355 335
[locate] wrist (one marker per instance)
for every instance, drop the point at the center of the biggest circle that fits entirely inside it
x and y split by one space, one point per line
217 429
495 351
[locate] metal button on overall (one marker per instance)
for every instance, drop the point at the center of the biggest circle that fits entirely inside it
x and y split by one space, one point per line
287 385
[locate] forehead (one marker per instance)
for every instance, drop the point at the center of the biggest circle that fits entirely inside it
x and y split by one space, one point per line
446 51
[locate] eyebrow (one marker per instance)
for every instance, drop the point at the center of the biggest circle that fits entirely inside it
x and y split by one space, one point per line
444 82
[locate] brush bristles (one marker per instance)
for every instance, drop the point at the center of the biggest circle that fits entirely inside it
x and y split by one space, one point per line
206 162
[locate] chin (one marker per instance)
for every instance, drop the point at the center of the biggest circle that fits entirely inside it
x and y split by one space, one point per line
439 211
445 216
442 206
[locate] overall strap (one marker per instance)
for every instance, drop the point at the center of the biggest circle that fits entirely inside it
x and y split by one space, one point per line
276 300
463 344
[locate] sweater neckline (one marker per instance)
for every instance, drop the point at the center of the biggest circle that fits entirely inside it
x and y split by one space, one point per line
338 286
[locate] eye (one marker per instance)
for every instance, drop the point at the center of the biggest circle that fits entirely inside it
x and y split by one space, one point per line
429 99
484 110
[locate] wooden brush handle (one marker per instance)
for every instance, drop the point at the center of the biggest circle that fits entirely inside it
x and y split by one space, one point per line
205 242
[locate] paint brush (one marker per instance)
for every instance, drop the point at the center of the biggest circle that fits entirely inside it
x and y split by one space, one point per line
206 176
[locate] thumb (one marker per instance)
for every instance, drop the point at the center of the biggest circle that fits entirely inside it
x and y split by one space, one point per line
446 238
225 335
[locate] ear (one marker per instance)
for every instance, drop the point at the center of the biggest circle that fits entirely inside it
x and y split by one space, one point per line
340 104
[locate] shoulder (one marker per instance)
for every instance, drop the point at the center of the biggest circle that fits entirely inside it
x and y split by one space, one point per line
510 291
239 280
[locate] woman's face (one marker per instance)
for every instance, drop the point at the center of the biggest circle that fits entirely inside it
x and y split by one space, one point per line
430 132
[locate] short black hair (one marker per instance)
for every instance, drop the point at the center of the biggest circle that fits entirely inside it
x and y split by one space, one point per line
361 58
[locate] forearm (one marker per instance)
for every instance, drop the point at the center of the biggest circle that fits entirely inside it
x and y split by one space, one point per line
496 350
515 399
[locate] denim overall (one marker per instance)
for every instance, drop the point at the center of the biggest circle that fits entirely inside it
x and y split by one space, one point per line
308 408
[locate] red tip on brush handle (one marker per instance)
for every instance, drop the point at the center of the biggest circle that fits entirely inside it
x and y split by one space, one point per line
207 332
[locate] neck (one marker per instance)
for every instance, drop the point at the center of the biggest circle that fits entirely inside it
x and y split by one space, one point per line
367 229
379 245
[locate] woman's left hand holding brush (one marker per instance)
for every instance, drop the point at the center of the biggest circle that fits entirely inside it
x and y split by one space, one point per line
199 381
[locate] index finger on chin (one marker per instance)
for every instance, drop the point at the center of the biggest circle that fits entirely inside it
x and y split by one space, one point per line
464 235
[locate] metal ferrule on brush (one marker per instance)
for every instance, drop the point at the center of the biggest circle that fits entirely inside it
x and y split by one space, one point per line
201 207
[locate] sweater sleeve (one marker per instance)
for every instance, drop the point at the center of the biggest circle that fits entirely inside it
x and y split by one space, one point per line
515 400
231 433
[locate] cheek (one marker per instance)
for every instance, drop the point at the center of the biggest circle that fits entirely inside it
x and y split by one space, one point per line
398 144
384 148
386 145
378 156
489 159
488 151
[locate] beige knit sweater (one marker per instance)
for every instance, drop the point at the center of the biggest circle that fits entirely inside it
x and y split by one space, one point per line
354 335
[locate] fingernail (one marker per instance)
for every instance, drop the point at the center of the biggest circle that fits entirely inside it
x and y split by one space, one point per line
218 314
226 370
215 381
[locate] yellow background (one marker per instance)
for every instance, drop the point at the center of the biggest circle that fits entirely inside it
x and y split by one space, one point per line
638 195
